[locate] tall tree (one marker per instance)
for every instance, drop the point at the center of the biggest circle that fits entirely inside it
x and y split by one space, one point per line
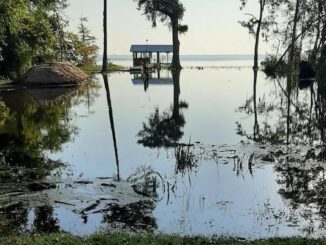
260 26
294 34
59 23
255 26
105 46
86 48
170 11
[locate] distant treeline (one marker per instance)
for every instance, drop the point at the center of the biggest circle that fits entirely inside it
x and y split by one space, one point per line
34 32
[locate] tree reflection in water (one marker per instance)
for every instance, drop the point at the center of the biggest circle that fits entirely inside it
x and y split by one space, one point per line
32 128
165 130
300 125
44 221
134 217
39 121
114 138
13 218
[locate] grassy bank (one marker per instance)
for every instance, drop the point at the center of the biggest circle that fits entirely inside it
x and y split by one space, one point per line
98 68
113 239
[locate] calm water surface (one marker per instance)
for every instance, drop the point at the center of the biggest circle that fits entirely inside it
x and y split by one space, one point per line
188 139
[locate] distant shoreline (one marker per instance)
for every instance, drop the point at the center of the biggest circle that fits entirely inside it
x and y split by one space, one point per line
190 58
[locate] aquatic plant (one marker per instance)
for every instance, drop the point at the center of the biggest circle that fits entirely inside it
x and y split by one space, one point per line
186 160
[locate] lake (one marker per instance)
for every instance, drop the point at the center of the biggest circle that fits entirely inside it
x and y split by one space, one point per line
179 153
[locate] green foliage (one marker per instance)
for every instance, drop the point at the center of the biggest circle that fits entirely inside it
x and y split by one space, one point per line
170 12
33 32
85 46
164 10
26 33
31 129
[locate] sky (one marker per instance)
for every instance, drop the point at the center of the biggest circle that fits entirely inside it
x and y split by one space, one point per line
213 26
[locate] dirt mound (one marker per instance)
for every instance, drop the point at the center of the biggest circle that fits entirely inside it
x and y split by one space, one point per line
53 74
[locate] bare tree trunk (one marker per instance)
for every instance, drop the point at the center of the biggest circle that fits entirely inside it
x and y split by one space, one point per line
316 46
176 44
262 7
294 34
105 51
292 71
288 116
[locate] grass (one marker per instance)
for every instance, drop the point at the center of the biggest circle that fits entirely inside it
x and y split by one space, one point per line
98 68
123 239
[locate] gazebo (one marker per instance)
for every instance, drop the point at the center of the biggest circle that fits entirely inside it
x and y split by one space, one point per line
144 53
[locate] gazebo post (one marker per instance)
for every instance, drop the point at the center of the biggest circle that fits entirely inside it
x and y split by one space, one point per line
158 57
159 73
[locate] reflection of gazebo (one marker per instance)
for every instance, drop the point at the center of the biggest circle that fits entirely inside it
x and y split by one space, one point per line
160 77
144 53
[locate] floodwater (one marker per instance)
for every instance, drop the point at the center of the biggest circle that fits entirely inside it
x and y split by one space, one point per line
178 153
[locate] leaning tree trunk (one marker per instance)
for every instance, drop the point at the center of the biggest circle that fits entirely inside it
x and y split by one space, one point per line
105 46
176 44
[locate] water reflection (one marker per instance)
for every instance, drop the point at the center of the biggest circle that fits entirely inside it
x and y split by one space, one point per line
44 221
39 121
13 218
300 104
159 77
134 217
256 185
289 115
108 96
33 127
165 130
256 125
